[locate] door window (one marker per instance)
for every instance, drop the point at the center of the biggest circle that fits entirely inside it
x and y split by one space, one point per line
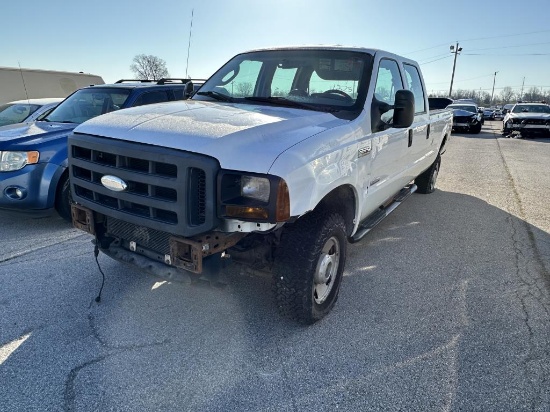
388 81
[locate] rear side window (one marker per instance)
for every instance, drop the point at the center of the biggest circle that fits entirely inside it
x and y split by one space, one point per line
415 85
157 96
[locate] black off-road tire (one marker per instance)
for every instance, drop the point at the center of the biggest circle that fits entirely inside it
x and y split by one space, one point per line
476 129
310 249
63 199
426 181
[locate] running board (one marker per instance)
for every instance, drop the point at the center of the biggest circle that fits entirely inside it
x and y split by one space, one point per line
376 217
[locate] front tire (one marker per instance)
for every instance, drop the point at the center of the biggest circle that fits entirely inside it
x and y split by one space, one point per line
63 199
426 181
309 266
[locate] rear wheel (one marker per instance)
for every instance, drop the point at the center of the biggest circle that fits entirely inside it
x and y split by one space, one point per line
309 266
426 181
63 199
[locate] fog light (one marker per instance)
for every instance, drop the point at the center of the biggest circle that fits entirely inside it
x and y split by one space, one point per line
15 192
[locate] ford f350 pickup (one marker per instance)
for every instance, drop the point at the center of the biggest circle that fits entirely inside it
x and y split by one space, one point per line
282 157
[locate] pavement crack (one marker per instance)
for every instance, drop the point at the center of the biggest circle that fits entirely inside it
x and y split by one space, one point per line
69 394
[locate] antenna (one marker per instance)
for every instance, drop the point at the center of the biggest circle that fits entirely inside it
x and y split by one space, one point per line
23 79
189 46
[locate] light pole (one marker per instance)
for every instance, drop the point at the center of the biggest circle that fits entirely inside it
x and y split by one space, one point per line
493 92
456 50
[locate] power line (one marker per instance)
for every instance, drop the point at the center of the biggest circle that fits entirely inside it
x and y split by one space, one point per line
507 47
507 54
480 38
446 57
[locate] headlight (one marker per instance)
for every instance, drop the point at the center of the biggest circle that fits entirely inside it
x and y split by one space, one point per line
252 197
509 123
255 188
10 161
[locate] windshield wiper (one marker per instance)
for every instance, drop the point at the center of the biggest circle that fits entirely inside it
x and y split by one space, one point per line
216 95
282 101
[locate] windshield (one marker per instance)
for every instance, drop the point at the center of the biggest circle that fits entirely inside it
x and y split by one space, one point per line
16 113
531 108
315 79
465 107
85 104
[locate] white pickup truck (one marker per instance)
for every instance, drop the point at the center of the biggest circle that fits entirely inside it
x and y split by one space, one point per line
282 157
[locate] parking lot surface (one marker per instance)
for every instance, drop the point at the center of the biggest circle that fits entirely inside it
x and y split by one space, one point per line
444 307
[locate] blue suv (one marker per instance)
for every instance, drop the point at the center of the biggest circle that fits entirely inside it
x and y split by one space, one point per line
33 156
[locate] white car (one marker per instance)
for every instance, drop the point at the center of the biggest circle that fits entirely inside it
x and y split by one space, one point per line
22 111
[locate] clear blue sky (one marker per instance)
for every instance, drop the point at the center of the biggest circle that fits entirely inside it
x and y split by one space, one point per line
102 37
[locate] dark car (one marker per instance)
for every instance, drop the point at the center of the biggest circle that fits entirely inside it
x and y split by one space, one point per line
466 117
527 120
489 114
33 156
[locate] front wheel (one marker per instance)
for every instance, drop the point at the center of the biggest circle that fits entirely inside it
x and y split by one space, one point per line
426 181
63 200
309 266
476 129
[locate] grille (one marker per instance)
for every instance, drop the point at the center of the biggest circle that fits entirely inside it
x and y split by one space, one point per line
167 189
541 122
148 238
462 119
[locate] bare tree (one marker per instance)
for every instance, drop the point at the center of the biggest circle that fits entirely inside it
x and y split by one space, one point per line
149 67
244 89
507 95
533 95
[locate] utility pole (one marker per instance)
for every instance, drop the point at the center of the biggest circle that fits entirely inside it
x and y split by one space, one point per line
521 93
493 92
456 50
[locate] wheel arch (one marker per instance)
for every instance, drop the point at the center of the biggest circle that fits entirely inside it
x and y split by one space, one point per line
342 200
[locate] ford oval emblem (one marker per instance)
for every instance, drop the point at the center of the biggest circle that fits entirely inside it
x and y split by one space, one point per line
116 184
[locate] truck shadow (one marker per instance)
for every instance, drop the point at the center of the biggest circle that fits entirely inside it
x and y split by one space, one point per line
428 275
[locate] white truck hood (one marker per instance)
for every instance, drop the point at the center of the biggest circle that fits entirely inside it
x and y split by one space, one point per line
241 137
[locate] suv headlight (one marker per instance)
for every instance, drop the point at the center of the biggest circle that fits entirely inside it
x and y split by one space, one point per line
252 197
11 161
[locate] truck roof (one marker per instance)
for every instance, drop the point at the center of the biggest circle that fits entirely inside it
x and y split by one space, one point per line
367 50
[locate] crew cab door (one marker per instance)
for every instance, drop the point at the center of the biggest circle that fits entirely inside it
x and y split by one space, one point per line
419 140
389 145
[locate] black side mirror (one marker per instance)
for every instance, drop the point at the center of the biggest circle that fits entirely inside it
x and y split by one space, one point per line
403 113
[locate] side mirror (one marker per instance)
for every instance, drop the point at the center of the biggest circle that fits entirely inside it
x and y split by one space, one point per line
403 114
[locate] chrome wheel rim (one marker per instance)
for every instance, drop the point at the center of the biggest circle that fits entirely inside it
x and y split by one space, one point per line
326 270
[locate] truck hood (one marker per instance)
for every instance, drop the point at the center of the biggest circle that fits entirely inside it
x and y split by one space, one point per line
240 136
32 133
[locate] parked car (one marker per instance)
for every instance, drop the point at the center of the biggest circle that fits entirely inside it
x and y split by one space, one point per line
33 156
466 117
527 120
22 111
489 114
498 115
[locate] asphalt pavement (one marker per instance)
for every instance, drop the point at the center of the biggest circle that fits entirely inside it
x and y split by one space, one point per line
445 306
